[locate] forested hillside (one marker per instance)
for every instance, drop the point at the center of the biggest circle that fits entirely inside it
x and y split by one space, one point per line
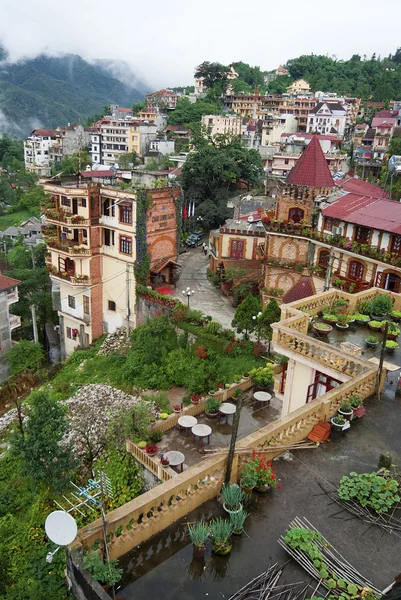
49 91
375 77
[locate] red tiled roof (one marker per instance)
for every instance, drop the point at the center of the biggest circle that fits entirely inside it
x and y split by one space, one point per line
367 211
45 132
354 185
311 169
379 120
302 289
384 124
89 174
7 282
125 110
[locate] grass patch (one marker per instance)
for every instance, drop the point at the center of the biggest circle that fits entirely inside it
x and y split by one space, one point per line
14 219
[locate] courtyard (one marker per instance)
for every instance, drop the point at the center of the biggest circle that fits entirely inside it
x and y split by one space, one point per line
163 567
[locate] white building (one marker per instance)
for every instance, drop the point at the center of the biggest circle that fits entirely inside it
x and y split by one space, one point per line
274 126
328 118
37 150
162 146
222 124
8 321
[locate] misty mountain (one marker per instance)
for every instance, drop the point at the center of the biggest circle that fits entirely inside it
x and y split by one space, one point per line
121 70
48 91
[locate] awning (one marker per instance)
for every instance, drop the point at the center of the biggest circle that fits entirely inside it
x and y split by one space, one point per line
158 265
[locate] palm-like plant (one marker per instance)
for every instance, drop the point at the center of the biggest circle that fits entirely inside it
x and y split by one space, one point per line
233 496
221 530
199 533
237 521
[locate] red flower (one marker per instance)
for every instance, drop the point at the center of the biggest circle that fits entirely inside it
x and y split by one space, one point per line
279 487
272 478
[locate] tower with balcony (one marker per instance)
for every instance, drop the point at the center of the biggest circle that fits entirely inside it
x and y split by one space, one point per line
91 252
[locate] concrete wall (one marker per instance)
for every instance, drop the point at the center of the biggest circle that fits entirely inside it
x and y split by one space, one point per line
148 309
5 335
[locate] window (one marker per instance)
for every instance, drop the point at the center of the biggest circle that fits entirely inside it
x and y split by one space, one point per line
237 249
286 161
355 270
126 214
109 237
328 224
71 301
295 214
65 201
69 333
86 304
362 234
125 244
83 202
396 244
112 305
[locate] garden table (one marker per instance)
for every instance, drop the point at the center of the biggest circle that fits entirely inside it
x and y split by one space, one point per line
227 409
187 422
175 458
262 398
201 431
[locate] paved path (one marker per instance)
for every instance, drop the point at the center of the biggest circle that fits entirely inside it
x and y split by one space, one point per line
207 298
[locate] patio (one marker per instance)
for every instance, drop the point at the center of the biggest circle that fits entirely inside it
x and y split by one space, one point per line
253 417
163 567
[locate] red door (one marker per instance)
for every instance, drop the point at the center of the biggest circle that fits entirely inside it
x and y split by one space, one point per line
237 249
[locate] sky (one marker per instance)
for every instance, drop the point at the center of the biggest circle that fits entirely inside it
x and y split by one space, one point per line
164 41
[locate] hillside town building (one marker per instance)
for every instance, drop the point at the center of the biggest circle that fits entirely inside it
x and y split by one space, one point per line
8 321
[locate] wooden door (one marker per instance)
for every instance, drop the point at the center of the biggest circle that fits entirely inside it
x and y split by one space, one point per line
75 206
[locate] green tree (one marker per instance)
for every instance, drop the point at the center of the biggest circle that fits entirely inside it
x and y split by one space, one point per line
70 165
243 318
128 159
20 257
138 106
212 73
24 355
48 458
187 112
270 314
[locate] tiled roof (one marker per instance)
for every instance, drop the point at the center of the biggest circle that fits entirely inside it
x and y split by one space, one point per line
125 110
354 185
89 174
370 134
311 169
45 132
330 105
156 266
367 211
379 120
7 282
302 289
384 124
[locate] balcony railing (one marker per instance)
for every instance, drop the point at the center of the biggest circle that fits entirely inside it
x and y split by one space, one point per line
73 279
53 216
12 297
70 248
14 321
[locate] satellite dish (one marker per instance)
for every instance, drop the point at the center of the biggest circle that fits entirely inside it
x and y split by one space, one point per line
250 219
394 163
61 528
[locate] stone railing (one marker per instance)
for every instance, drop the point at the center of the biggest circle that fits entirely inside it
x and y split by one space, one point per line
152 463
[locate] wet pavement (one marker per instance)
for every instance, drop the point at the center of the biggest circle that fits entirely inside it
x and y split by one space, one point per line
207 298
164 567
253 417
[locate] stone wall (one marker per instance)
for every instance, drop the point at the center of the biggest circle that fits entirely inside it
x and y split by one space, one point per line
148 309
161 224
80 582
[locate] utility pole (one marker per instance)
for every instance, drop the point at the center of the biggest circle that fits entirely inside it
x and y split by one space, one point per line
234 434
379 373
128 283
35 326
33 257
328 271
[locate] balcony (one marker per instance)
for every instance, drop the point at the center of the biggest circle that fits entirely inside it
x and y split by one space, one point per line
12 297
55 217
69 247
14 322
76 279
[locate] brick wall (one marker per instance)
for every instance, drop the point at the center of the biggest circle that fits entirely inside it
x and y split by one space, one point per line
287 248
96 298
161 223
294 196
279 278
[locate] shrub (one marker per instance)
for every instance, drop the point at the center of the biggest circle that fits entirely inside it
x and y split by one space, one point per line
355 401
213 327
380 305
373 490
201 352
345 406
375 324
213 405
262 376
330 317
339 420
391 344
106 573
361 317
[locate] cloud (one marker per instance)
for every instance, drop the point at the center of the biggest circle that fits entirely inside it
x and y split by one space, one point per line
164 42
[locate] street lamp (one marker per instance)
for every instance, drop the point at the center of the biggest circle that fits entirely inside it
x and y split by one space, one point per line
188 293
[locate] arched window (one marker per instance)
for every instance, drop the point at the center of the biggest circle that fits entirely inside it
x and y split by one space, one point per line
296 214
324 258
355 270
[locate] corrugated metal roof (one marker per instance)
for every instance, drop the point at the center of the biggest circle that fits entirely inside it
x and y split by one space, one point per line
376 213
358 186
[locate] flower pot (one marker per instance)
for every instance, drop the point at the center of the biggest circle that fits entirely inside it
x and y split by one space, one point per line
359 322
335 427
213 415
198 551
378 318
195 401
342 326
371 344
239 531
247 490
222 549
177 411
390 350
347 415
391 336
212 393
262 489
151 453
323 331
328 321
232 512
373 328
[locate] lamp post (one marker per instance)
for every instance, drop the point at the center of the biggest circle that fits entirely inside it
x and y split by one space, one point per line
188 293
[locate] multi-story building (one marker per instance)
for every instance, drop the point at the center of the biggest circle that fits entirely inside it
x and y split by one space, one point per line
383 134
8 321
37 150
298 87
161 101
141 135
112 138
300 107
222 124
274 126
328 118
91 258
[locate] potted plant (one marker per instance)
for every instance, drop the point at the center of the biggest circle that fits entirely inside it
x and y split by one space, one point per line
195 398
375 325
106 573
164 461
338 423
177 408
391 346
237 521
237 378
396 315
346 410
238 393
233 497
322 328
262 468
163 416
361 319
371 341
212 408
342 322
392 330
330 318
355 402
199 534
142 444
221 531
380 306
248 481
155 436
151 449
